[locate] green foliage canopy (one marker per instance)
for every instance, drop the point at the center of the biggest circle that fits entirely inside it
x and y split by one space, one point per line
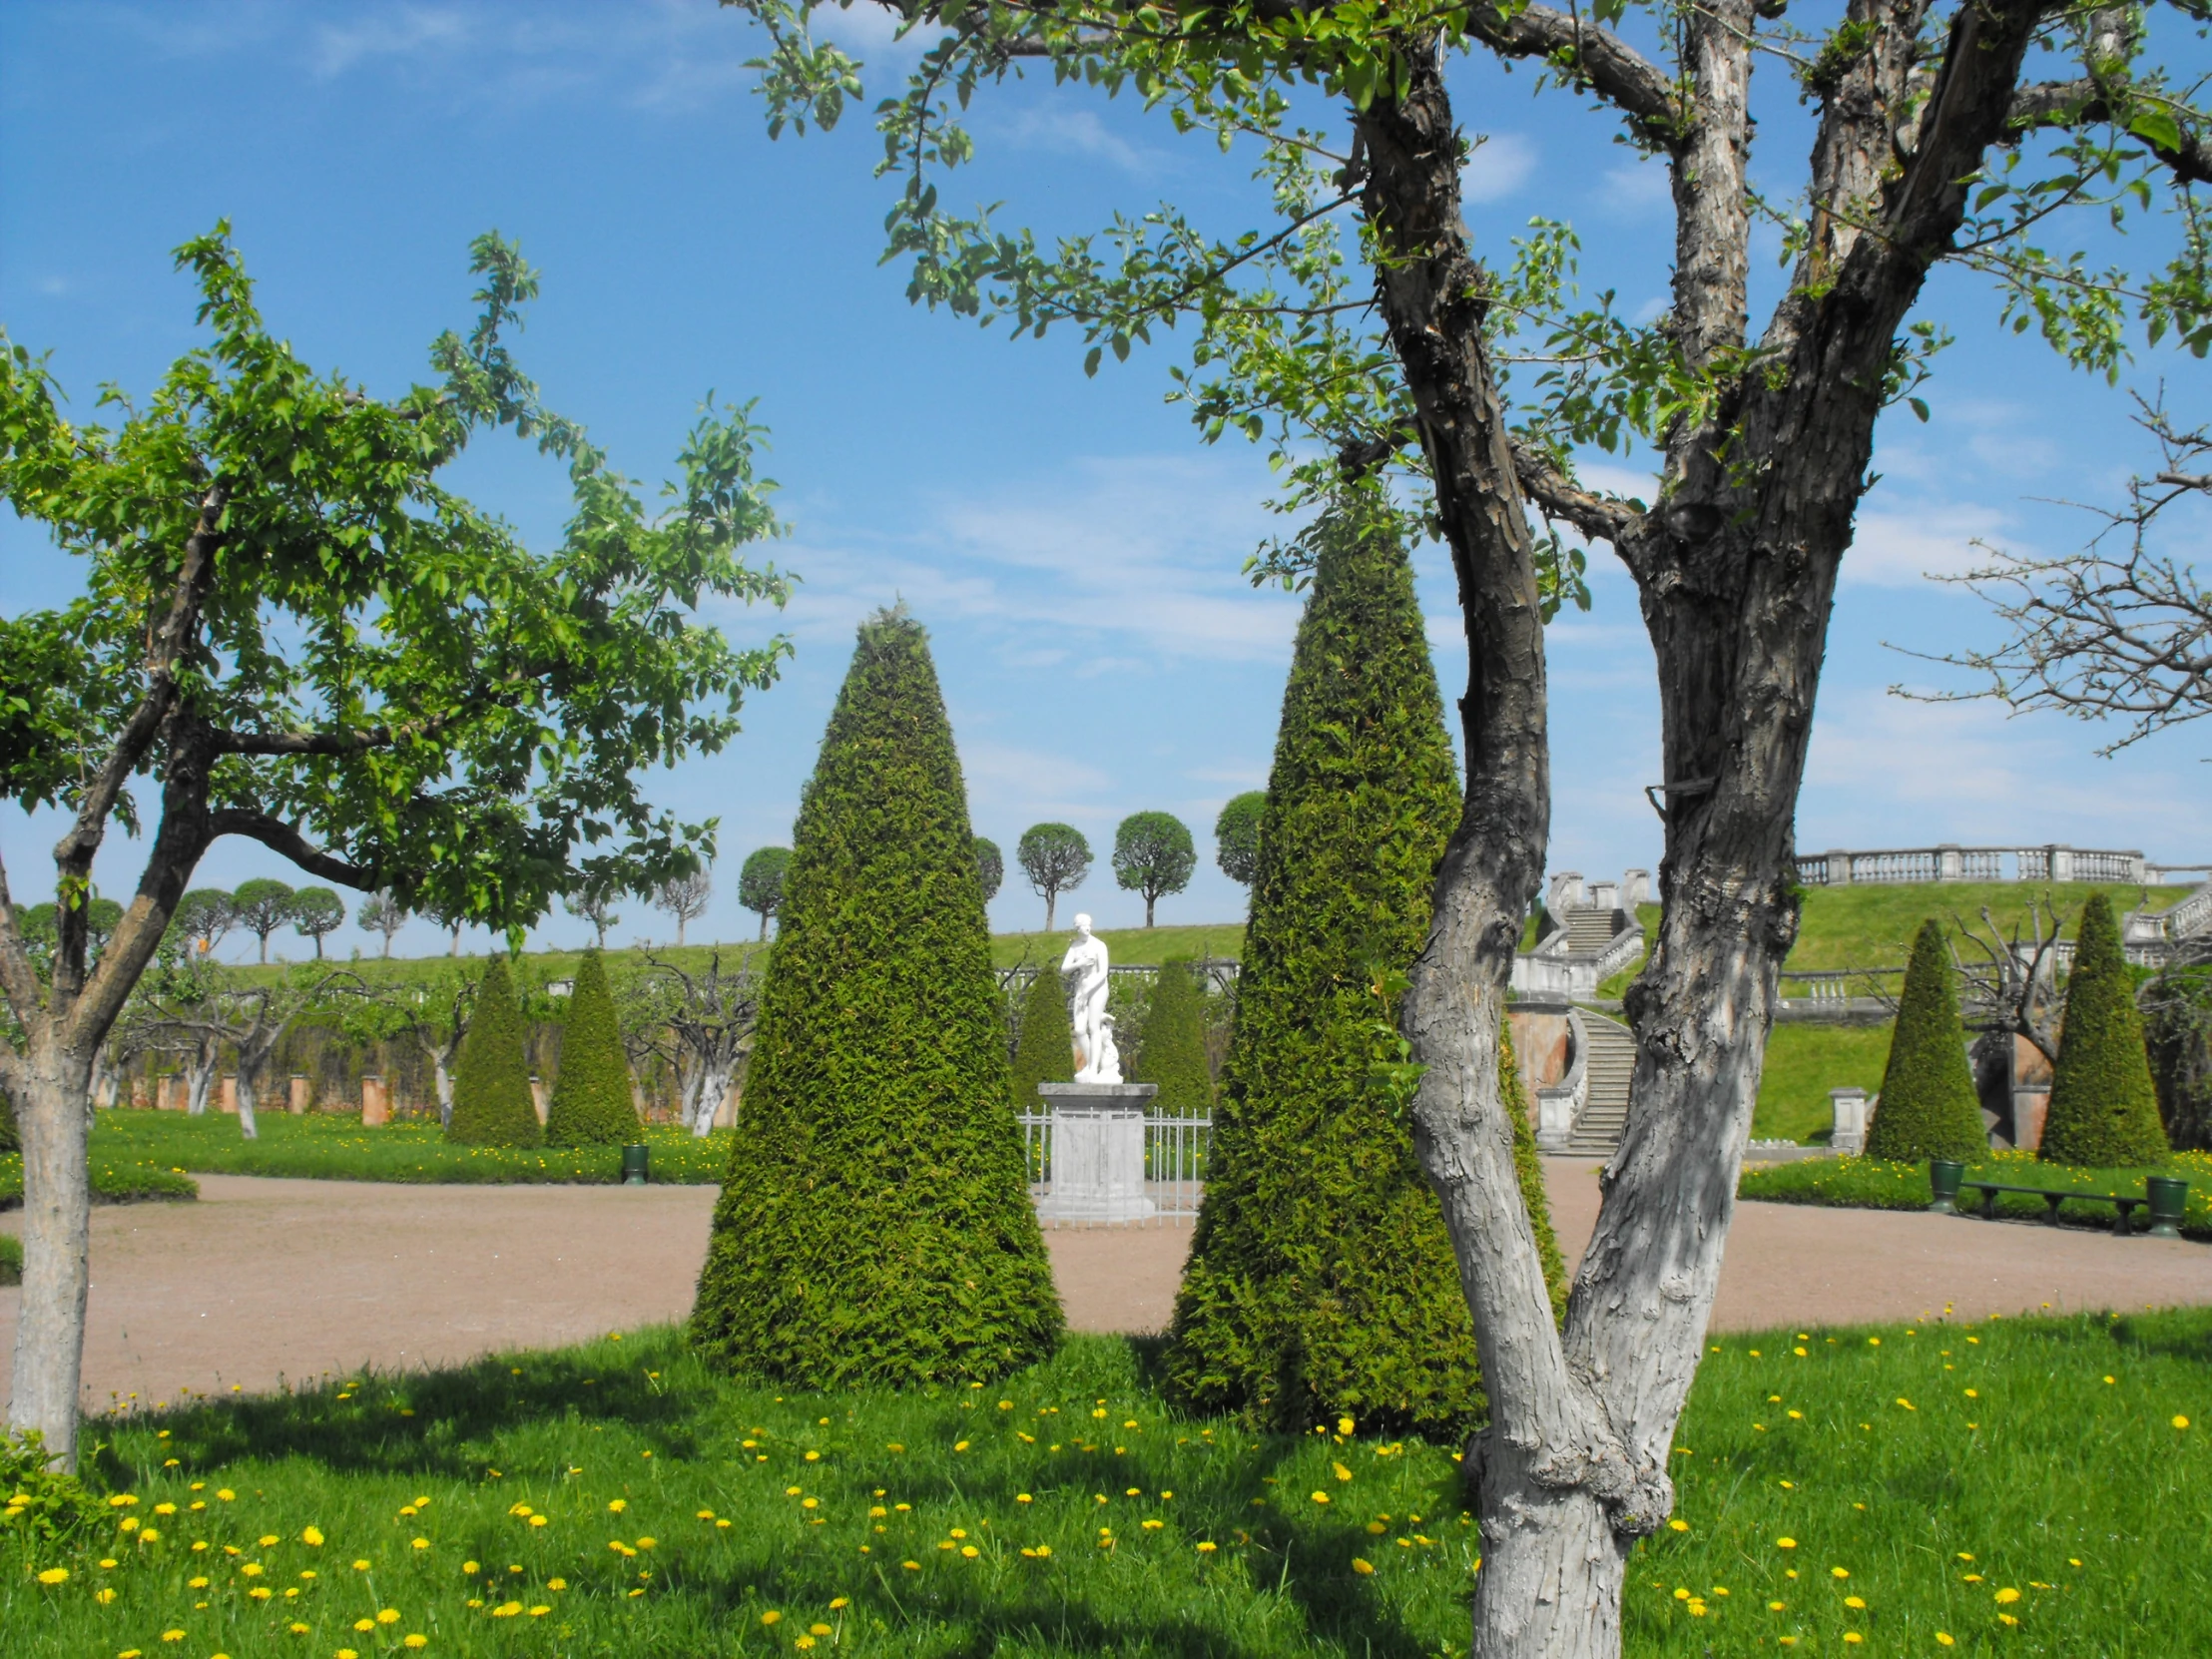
1153 855
2103 1108
1927 1108
990 867
261 907
875 1225
1236 836
760 883
315 913
1055 857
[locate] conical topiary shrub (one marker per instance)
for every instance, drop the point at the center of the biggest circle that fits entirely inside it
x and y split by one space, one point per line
2103 1109
1320 1280
491 1086
592 1103
1928 1107
875 1225
1045 1051
1174 1052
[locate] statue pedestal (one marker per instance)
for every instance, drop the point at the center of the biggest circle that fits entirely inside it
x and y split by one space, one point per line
1097 1151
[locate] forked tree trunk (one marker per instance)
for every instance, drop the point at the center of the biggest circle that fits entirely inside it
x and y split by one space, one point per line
54 1119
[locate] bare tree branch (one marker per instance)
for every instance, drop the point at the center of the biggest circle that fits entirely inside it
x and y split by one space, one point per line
1603 518
2100 634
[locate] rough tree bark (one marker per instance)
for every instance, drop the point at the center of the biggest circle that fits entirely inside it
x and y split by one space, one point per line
1736 571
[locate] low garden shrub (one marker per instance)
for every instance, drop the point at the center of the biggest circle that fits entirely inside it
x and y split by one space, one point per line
1879 1183
119 1176
327 1147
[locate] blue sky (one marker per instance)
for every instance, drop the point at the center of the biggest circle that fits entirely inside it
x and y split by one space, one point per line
1073 547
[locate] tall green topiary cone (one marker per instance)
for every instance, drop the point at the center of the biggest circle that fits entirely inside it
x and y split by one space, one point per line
592 1103
1173 1054
491 1086
1046 1051
875 1225
1321 1279
2103 1108
1927 1108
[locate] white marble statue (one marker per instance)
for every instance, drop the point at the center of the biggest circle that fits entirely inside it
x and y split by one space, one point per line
1083 971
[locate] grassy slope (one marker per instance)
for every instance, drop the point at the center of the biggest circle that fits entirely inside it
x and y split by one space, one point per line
1146 945
338 1148
2037 1458
1803 1063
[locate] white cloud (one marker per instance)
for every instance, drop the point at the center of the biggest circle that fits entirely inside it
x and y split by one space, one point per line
1500 165
1053 127
1111 565
399 32
1638 189
1898 547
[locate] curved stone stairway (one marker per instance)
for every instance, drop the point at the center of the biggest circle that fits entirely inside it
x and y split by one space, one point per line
1612 1063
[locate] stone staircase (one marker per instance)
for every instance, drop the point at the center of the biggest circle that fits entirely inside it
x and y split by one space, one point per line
1590 930
1612 1063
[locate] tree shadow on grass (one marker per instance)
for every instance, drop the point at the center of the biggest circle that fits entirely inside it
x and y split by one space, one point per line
438 1422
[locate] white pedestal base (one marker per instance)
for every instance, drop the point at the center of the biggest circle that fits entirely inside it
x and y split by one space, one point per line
1097 1152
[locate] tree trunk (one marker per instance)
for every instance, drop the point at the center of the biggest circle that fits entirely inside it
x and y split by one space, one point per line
1559 1499
1148 912
714 1088
54 1119
249 1127
454 949
200 1067
763 928
1048 898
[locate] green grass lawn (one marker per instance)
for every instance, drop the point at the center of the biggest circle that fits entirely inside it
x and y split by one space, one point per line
1805 1062
616 1498
1847 927
335 1147
117 1178
1133 945
1873 1183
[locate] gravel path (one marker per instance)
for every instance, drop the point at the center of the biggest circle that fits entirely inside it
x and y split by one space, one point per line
265 1281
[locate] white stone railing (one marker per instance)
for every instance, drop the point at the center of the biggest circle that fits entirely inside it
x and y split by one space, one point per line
1551 970
1841 868
1175 1153
1559 1104
1627 946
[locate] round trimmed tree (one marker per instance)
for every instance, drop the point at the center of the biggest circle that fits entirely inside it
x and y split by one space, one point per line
2103 1108
1045 1050
990 867
592 1104
491 1085
875 1225
1236 836
1173 1054
1927 1107
1320 1280
1153 855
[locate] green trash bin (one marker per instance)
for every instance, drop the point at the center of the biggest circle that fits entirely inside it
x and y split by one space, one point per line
635 1170
2167 1195
1944 1176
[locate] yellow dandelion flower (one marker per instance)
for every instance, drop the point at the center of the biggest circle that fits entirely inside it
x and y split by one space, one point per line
103 1595
771 1616
390 1615
1944 1639
615 1506
1679 1524
1855 1601
173 1635
1839 1572
2181 1423
416 1639
1362 1565
1321 1497
2007 1595
836 1602
54 1575
360 1566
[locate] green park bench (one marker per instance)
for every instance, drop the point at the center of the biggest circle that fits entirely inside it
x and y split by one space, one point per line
2163 1198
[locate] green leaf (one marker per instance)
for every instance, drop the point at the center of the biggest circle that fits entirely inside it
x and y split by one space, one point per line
2157 127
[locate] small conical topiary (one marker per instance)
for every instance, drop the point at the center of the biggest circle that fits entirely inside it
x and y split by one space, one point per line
1174 1052
1928 1107
491 1087
1322 1280
2103 1108
1045 1052
592 1104
875 1225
